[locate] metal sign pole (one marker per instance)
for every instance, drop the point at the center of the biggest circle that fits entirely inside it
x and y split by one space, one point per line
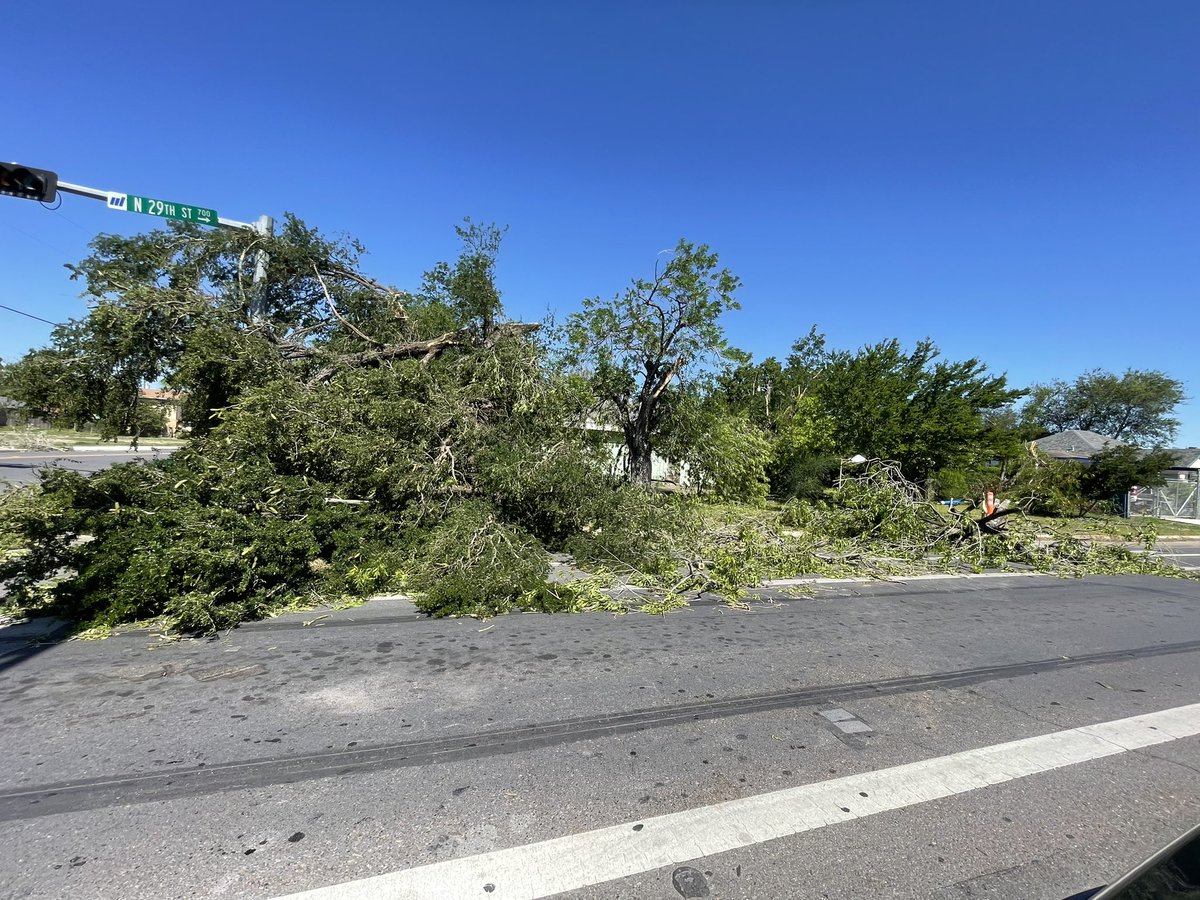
116 200
107 198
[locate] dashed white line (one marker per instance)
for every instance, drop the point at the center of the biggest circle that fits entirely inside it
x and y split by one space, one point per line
592 857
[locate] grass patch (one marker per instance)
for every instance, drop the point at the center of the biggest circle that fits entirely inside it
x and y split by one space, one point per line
1107 526
21 438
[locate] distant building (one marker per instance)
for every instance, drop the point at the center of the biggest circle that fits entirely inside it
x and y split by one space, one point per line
1075 444
1185 462
665 474
9 411
171 402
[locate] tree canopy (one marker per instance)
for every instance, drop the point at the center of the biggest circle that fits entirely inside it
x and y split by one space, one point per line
655 334
880 401
1137 407
348 437
924 412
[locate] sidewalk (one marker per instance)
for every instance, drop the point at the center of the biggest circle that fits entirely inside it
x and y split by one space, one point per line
120 448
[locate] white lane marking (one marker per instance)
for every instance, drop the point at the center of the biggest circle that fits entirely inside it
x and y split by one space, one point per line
605 854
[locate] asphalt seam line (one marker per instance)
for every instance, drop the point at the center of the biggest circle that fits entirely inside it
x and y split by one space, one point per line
33 801
576 861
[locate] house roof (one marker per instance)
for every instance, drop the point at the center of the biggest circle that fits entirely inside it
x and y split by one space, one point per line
1075 444
10 403
159 394
1185 457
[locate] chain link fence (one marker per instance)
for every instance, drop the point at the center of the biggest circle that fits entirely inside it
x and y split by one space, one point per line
1178 498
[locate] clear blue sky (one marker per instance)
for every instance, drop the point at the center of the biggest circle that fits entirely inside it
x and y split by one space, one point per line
1018 180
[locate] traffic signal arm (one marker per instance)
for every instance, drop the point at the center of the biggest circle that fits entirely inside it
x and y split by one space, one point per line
28 183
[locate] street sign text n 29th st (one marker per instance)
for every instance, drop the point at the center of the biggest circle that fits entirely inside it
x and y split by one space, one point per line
164 208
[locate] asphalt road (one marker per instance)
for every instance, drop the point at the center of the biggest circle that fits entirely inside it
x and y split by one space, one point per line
684 755
1184 553
20 467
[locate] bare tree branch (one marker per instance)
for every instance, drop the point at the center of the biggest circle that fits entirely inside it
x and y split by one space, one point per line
426 350
370 283
333 308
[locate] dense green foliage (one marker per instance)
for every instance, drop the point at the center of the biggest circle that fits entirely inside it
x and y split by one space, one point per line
926 413
1113 472
348 439
880 402
1046 486
356 433
1064 487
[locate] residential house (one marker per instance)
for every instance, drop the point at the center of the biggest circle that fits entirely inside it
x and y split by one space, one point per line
664 473
1077 445
1186 464
171 402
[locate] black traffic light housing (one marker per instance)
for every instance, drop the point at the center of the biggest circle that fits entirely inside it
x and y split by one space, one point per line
27 183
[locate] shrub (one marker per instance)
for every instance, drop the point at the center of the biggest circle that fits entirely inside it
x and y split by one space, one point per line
729 461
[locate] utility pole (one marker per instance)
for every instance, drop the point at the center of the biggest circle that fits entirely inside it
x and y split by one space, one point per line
265 226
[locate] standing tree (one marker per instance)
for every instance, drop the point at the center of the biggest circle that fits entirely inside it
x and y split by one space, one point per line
1135 407
636 344
781 400
1115 471
925 413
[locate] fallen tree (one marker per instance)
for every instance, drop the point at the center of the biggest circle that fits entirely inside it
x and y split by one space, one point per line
350 438
340 427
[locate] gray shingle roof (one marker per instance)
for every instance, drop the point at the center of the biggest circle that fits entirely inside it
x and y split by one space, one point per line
1075 444
1185 457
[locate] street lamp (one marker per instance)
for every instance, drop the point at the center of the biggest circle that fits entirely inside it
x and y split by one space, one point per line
856 460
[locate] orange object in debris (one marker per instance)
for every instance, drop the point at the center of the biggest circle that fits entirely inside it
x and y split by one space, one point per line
989 503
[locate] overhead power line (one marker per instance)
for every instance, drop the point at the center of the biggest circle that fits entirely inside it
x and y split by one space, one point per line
20 312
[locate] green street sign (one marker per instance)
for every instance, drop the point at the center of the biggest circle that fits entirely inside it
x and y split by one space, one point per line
164 208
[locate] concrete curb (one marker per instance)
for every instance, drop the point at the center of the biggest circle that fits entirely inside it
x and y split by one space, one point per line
91 448
897 579
854 579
